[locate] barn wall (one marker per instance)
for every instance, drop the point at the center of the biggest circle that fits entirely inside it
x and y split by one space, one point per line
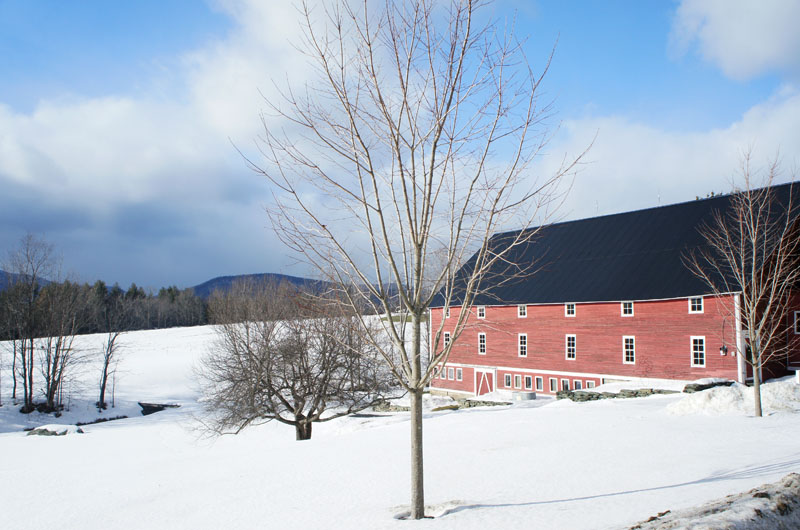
662 331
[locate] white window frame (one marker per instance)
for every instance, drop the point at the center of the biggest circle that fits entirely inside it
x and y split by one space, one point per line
692 350
507 380
481 311
450 374
624 356
517 381
567 347
577 384
528 382
693 311
522 344
459 374
622 309
565 384
442 373
481 343
567 308
522 310
539 382
447 312
446 338
589 384
797 322
553 384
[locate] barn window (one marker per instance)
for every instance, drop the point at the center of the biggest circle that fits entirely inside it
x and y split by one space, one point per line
528 382
571 347
435 372
569 310
482 343
481 311
627 309
696 304
797 322
517 381
450 373
522 311
508 380
553 384
459 374
443 373
577 384
565 384
539 383
446 339
523 344
629 350
589 384
447 312
698 351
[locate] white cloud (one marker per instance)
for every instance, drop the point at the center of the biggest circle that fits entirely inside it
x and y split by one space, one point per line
634 165
165 149
744 38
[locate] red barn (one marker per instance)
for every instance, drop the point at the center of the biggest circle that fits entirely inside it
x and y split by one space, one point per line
611 299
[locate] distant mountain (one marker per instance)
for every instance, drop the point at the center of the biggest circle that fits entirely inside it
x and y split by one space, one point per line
4 279
224 283
10 277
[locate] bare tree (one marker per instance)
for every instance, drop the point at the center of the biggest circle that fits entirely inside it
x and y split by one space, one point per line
284 356
415 138
753 249
30 263
62 306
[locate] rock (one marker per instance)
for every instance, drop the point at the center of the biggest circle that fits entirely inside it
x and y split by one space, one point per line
445 407
699 387
55 430
150 408
385 406
583 395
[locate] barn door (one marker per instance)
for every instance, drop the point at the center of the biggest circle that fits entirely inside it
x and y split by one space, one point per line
484 382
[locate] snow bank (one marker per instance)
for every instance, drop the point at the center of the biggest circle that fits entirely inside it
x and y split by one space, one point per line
781 395
636 384
768 507
429 401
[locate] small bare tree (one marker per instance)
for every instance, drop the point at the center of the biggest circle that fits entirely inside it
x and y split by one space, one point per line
285 356
398 162
753 249
114 313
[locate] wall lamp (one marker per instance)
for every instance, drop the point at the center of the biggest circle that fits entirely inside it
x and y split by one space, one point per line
723 350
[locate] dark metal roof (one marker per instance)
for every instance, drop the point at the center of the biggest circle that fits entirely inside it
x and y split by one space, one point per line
628 256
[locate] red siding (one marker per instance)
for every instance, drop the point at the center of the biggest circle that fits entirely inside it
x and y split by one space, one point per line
662 331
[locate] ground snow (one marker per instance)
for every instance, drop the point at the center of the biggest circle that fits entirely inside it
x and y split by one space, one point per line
543 463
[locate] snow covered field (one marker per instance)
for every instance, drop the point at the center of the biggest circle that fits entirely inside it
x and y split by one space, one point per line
545 464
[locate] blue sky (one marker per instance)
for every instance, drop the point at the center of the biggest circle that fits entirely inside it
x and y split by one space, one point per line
117 118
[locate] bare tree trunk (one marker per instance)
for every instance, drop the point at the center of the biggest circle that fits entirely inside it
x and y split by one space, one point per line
757 384
303 430
14 373
417 475
417 468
